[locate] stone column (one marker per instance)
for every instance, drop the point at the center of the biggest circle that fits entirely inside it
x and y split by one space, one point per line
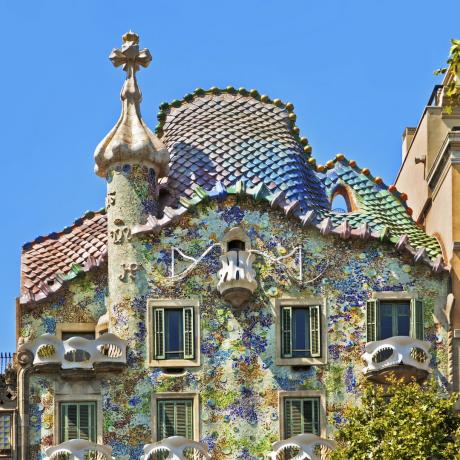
131 197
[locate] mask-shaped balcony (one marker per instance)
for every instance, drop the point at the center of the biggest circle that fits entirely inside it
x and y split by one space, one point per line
236 277
108 352
78 449
177 448
401 356
303 446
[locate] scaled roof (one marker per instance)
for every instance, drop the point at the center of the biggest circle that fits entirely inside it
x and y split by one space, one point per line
225 141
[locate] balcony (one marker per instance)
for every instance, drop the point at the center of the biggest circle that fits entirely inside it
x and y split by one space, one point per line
236 277
403 357
108 352
79 449
177 448
307 446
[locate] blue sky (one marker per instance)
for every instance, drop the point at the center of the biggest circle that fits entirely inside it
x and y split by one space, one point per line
358 72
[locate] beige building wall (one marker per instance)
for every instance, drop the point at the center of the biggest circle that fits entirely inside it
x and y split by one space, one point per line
430 175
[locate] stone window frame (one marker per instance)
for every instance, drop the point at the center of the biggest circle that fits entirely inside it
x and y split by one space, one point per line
195 397
78 398
383 296
277 304
321 395
173 304
75 327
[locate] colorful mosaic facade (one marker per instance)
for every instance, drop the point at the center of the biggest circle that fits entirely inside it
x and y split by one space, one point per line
110 266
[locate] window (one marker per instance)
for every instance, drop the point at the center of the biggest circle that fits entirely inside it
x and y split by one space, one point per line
300 331
388 318
301 415
66 331
173 333
78 421
83 334
175 418
301 334
5 434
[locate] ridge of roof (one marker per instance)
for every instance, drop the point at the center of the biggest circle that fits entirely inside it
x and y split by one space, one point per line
340 157
323 222
66 230
199 92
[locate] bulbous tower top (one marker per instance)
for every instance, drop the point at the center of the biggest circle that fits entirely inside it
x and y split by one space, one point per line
130 140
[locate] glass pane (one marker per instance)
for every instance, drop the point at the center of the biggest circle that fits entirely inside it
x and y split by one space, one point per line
300 332
90 335
386 321
403 311
174 334
5 434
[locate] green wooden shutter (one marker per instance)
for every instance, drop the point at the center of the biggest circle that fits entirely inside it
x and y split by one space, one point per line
416 319
315 416
78 421
372 320
286 332
315 331
159 326
292 417
69 421
188 333
175 418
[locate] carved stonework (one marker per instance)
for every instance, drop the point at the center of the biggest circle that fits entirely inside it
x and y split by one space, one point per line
175 447
130 140
120 235
128 272
79 449
8 388
305 443
110 200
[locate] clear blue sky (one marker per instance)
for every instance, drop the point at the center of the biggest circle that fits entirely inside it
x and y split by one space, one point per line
357 72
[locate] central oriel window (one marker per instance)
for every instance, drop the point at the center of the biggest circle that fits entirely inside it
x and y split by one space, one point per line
301 332
174 333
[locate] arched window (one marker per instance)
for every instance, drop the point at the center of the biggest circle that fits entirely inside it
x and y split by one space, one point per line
342 200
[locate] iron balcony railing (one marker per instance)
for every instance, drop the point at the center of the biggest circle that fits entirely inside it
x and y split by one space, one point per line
6 361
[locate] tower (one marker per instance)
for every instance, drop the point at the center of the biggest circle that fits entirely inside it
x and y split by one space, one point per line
132 159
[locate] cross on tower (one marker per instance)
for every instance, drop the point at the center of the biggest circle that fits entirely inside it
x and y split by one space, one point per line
129 56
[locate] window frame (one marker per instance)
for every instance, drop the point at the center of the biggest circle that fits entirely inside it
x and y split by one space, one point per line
303 394
167 396
277 305
173 304
78 404
75 327
78 398
397 297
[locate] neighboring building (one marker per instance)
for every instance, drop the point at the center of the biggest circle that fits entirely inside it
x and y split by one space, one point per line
430 172
217 296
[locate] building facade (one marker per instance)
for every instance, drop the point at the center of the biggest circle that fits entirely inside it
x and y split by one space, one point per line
431 171
217 302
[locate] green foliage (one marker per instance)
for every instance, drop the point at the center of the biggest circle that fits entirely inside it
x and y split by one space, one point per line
452 87
414 423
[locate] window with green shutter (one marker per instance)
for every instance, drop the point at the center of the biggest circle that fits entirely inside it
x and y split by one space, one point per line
174 333
78 421
390 318
174 418
301 331
301 415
